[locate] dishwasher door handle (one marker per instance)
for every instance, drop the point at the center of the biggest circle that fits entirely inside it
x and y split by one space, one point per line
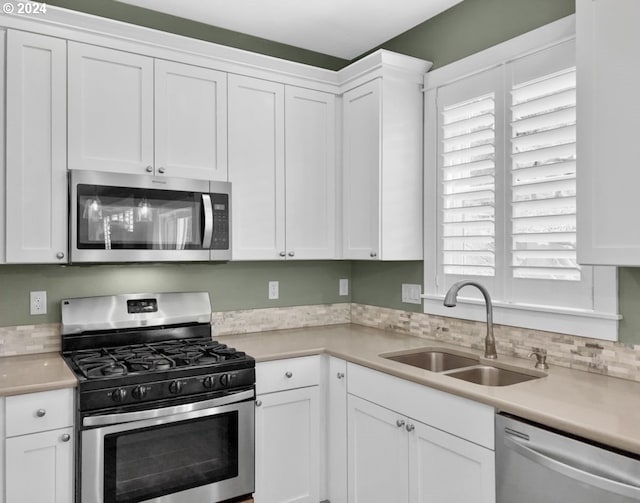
607 484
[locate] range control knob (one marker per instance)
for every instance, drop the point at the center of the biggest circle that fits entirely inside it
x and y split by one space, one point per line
139 392
175 387
209 382
224 379
119 395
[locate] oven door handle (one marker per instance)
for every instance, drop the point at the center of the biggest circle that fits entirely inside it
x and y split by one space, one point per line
140 415
207 234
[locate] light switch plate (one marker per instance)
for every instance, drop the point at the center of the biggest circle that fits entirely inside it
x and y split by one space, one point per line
344 286
411 293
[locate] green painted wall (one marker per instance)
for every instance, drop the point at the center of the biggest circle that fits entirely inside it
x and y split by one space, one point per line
231 285
380 283
165 22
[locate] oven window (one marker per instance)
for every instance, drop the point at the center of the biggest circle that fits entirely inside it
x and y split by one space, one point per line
150 462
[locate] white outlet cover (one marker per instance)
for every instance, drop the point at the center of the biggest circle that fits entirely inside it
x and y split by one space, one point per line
274 290
411 293
38 302
344 286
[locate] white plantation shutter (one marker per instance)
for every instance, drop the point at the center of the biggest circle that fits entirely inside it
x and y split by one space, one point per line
468 187
543 178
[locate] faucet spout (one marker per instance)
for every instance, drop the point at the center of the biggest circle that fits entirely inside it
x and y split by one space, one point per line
450 300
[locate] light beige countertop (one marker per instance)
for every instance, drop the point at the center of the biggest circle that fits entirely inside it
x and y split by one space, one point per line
600 408
36 372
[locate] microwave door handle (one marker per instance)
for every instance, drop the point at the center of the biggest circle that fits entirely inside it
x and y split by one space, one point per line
207 233
601 481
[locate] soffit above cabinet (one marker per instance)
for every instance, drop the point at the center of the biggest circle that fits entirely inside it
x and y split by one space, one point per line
334 27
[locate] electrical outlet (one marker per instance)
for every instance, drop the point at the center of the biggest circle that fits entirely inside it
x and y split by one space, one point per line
411 293
274 287
344 287
38 302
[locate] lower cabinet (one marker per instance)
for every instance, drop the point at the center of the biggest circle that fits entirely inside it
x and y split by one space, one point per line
39 447
288 433
39 467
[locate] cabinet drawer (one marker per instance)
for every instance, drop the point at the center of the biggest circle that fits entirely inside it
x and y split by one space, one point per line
35 412
291 373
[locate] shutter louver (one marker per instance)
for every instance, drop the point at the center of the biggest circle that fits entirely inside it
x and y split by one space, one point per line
468 185
543 178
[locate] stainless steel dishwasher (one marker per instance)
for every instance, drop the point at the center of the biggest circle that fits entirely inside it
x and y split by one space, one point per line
539 465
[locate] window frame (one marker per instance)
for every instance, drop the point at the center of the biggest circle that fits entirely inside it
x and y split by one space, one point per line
601 322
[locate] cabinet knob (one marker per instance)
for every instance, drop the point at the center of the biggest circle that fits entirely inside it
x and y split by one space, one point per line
41 412
258 403
289 374
340 375
291 254
410 428
161 171
66 437
149 169
60 255
400 423
283 254
373 254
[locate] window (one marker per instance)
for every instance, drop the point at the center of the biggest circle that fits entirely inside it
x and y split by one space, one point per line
500 193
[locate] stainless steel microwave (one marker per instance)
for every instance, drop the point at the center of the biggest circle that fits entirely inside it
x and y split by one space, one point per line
117 217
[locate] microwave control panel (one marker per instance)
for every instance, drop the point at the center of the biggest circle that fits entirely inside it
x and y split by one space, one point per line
220 238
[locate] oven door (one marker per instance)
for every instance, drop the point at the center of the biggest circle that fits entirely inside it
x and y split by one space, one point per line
119 217
199 455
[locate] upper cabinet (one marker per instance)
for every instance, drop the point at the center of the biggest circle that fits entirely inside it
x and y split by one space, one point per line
132 114
607 131
36 172
382 167
283 171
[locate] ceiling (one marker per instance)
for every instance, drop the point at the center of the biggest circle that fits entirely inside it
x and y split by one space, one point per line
340 28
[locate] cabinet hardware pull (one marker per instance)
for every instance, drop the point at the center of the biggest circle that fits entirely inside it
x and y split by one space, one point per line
258 403
41 412
149 169
59 255
283 254
161 171
340 375
373 254
400 423
410 428
292 254
66 437
289 374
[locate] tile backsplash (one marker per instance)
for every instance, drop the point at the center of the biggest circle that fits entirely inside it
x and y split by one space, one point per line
592 355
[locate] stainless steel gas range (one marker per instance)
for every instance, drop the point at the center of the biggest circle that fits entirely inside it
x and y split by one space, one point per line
165 414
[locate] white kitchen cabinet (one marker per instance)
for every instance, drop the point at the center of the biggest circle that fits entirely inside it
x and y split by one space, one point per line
411 443
282 167
608 124
378 454
36 154
190 121
336 420
110 110
38 456
382 170
288 434
129 113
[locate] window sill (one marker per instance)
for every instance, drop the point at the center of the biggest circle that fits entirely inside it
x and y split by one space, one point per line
578 322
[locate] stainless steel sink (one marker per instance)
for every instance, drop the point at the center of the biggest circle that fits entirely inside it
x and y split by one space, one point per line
492 376
433 360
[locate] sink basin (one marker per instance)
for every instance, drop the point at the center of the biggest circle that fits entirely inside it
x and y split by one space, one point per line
433 360
492 376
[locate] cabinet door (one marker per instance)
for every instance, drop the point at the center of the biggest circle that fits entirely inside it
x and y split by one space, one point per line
41 467
190 121
447 469
110 110
36 178
256 167
337 431
378 454
287 447
310 129
607 132
361 171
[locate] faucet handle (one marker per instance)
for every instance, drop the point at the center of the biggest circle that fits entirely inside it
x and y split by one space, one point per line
541 358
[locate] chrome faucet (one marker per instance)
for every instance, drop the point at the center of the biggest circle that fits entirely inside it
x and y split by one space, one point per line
450 300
